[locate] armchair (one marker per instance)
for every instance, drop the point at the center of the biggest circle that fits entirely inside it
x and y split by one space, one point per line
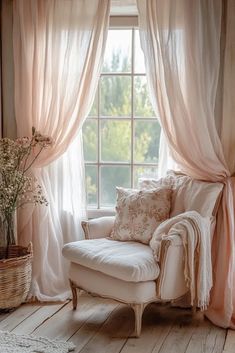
127 271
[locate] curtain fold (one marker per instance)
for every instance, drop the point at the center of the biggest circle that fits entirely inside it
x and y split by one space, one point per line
228 107
181 44
58 47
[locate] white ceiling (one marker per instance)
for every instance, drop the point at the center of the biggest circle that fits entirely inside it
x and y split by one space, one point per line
124 8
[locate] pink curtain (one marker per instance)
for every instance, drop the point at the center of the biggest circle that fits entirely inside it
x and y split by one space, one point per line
181 41
58 48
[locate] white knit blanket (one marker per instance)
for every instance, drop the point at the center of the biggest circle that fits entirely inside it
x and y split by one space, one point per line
194 231
12 343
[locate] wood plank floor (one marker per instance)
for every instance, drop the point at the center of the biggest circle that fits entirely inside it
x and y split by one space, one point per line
104 326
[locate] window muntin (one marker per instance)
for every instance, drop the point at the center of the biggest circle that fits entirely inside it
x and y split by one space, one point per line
121 134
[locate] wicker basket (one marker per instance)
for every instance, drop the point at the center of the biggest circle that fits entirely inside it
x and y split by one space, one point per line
15 276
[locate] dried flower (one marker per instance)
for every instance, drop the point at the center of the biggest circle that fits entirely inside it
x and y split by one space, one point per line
17 187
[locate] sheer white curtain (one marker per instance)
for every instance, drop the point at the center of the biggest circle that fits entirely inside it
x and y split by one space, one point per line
58 48
181 43
166 162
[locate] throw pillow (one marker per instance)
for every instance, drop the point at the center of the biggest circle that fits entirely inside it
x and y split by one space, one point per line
139 212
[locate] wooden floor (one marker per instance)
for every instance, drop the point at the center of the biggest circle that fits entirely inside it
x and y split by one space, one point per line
104 326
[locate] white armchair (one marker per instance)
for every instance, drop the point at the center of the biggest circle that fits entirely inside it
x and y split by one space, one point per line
127 271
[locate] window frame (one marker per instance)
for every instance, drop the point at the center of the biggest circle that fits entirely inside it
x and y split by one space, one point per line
117 22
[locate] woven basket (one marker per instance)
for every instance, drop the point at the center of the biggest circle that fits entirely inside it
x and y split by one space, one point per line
15 275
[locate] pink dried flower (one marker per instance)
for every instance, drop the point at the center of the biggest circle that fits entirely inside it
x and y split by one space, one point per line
23 141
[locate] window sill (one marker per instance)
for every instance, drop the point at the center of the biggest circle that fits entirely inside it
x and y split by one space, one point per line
102 212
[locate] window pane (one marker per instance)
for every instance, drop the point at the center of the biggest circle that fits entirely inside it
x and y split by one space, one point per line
91 185
115 96
112 176
94 109
147 135
90 140
142 105
115 141
118 51
139 65
144 172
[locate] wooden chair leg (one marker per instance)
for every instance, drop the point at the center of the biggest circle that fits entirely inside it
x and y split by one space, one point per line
74 295
138 310
194 309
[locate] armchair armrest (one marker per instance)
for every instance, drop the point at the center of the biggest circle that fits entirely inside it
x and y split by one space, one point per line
98 227
171 283
174 244
173 240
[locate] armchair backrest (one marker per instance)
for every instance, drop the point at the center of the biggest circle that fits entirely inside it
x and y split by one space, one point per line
189 194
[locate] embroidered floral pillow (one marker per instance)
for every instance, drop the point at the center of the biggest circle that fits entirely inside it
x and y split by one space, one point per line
139 212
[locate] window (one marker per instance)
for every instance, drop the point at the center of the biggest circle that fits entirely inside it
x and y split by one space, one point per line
121 134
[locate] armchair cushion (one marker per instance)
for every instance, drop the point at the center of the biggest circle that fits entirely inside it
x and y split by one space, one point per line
128 261
139 212
188 194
